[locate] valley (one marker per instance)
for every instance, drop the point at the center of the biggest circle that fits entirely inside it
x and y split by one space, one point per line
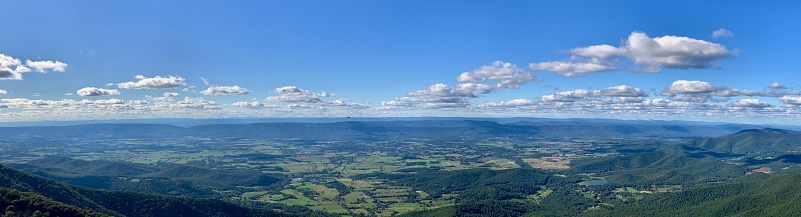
411 175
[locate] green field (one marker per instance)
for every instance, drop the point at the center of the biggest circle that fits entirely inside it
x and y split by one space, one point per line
301 200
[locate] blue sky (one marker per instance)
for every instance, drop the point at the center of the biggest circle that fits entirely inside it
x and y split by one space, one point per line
612 59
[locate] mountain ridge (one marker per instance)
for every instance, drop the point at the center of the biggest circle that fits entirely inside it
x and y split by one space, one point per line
381 129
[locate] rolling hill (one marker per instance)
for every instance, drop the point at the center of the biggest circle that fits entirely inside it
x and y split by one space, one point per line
126 203
170 179
748 142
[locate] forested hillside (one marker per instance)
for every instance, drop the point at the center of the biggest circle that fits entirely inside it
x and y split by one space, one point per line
127 203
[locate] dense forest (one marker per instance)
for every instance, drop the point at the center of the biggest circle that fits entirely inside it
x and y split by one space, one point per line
86 201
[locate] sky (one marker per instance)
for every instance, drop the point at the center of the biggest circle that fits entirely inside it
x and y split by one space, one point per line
731 61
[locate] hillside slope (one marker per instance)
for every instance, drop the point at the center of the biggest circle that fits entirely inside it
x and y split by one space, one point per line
749 142
126 203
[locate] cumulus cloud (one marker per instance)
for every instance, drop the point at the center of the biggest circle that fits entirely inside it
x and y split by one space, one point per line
293 94
3 92
12 68
94 91
171 94
43 66
103 101
506 75
574 67
253 104
721 33
648 55
196 103
750 103
157 82
9 74
6 70
690 87
225 90
438 96
673 52
515 103
620 91
776 85
344 104
790 100
300 98
501 75
700 91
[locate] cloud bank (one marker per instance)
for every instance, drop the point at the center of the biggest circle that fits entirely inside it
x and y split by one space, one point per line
645 53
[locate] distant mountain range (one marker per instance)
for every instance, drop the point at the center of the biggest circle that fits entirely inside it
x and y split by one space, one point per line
392 129
750 141
187 122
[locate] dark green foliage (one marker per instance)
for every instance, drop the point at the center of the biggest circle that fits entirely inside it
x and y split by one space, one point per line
140 204
656 168
126 203
439 212
10 178
492 208
341 188
776 196
68 167
169 179
750 141
437 183
15 203
221 179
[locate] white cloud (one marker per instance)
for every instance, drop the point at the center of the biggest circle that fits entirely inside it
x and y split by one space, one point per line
690 87
294 94
94 91
566 96
673 52
700 91
157 82
620 91
171 94
7 61
573 67
43 66
196 103
515 103
342 103
9 73
253 104
225 90
103 101
750 103
3 92
720 33
437 96
506 75
776 85
648 55
790 100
